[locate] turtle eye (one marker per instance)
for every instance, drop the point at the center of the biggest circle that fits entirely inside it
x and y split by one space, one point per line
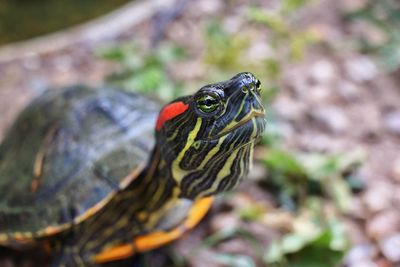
207 103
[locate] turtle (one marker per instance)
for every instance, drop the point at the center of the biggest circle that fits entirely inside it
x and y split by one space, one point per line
98 175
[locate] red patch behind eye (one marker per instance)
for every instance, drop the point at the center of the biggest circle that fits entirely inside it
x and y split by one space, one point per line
169 112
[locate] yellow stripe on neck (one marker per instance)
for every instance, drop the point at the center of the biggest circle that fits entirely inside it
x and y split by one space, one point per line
177 172
224 172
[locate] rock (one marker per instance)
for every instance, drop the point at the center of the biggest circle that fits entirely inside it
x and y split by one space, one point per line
208 7
277 219
32 63
63 62
236 246
202 258
347 90
259 50
322 72
370 126
297 83
383 225
331 117
224 221
352 5
390 247
383 262
358 208
396 196
363 263
392 122
289 109
232 24
319 142
360 69
378 196
360 253
319 94
396 169
355 233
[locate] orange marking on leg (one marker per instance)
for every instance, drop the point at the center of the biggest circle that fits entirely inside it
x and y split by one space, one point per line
198 211
159 238
115 253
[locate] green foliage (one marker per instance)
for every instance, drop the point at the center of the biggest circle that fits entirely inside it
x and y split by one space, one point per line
295 176
384 16
223 49
316 240
145 71
305 183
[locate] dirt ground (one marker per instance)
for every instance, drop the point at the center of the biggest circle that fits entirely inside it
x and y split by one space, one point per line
332 101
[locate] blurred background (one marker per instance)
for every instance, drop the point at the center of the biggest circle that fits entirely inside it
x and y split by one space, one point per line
325 187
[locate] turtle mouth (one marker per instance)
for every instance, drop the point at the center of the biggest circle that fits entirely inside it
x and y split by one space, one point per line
254 115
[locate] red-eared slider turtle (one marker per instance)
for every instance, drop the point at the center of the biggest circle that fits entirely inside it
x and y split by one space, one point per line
82 170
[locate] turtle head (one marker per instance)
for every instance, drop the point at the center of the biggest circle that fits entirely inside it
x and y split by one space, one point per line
207 138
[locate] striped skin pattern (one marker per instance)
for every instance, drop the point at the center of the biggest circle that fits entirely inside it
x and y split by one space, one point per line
219 145
204 145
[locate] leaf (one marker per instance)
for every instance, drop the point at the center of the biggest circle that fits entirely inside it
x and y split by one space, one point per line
340 192
291 243
314 256
301 251
283 162
274 253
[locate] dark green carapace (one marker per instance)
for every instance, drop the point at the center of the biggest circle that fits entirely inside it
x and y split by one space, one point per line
86 147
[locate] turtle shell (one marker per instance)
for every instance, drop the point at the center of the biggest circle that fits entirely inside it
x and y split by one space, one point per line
68 152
